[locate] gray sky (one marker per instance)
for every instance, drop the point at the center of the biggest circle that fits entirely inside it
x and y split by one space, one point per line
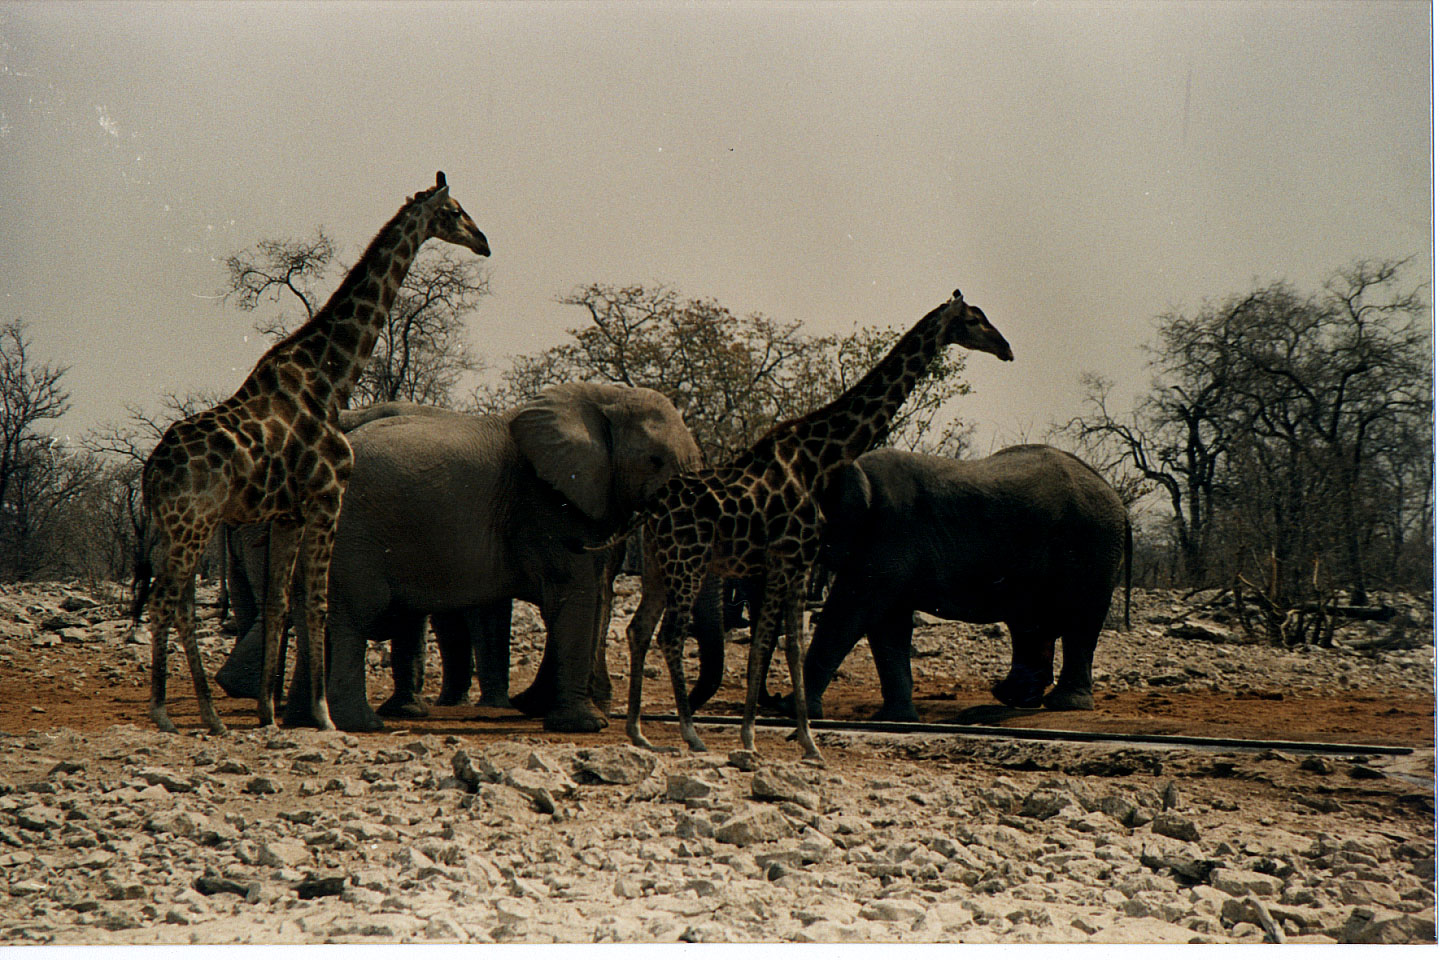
1076 168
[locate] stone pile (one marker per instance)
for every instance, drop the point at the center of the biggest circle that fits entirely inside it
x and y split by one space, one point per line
132 836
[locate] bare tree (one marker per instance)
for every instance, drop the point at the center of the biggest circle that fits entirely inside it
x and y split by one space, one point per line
32 481
421 353
1292 436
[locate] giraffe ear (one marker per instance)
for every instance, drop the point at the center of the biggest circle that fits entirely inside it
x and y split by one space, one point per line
567 441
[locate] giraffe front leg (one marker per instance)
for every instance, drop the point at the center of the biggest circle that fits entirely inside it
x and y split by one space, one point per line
284 538
795 654
318 545
639 634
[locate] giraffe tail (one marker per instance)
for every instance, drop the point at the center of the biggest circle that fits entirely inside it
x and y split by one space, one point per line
620 536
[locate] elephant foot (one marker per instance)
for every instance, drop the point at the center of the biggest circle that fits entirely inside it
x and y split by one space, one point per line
237 684
533 702
363 722
1018 693
577 718
895 713
450 698
785 706
501 699
407 707
1058 699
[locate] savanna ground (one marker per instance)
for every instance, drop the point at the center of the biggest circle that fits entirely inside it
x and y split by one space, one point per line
72 683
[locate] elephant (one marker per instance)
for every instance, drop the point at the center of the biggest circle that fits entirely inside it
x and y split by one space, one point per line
1030 536
452 516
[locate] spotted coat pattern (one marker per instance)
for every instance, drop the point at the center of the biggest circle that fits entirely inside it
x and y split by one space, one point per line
758 516
274 452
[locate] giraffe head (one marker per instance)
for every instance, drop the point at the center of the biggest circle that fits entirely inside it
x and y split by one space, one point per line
968 327
442 217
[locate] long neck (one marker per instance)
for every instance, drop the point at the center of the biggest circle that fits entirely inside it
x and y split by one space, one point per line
336 343
860 417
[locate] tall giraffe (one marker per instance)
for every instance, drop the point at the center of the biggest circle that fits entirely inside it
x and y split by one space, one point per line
758 516
274 451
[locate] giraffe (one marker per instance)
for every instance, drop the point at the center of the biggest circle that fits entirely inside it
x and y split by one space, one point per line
757 516
274 452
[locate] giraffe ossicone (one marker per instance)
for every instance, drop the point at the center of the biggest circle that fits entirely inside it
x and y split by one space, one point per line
758 516
274 452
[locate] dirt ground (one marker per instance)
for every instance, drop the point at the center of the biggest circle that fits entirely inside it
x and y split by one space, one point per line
85 687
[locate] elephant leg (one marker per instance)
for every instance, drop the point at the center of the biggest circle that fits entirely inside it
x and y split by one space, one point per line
1032 667
348 633
1074 690
407 667
490 636
539 699
890 637
477 638
239 675
454 638
570 612
838 627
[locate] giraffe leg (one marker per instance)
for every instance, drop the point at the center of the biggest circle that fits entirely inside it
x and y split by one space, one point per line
169 607
795 654
164 608
317 545
762 643
639 634
672 643
185 633
284 536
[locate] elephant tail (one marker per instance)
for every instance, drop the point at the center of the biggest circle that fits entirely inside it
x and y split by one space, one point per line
144 576
1129 556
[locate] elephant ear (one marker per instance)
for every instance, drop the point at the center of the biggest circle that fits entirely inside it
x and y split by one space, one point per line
845 502
567 440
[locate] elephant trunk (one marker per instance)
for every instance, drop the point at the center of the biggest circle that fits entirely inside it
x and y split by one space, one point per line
708 625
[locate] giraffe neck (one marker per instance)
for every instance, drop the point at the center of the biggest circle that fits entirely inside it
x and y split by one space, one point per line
859 418
330 351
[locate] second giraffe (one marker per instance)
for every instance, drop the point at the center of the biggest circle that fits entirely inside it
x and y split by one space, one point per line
757 516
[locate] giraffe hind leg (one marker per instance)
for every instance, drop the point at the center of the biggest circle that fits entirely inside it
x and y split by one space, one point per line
672 640
795 655
185 633
162 614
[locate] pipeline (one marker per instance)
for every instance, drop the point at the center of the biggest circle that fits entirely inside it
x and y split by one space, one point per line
1071 736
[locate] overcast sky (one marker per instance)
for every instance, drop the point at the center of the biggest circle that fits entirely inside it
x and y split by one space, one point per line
1075 168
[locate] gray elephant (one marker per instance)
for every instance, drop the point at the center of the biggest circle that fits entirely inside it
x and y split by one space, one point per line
1030 536
452 516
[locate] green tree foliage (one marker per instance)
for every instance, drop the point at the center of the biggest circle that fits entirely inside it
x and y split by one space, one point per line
732 377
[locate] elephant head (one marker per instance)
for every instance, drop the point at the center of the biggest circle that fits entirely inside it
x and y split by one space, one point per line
604 448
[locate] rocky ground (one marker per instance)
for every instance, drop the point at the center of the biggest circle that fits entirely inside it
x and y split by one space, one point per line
475 826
